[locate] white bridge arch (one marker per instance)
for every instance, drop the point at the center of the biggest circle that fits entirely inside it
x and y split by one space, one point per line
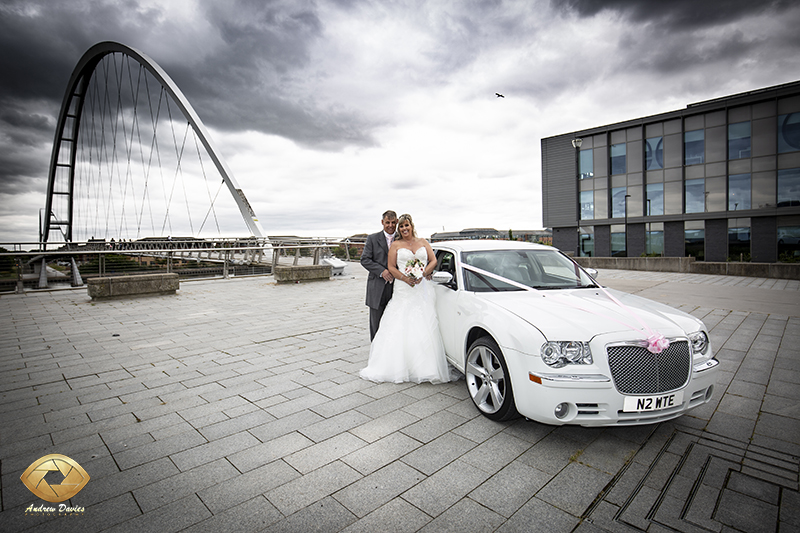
59 215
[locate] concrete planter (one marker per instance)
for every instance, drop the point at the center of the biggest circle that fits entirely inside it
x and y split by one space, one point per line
290 274
112 287
656 264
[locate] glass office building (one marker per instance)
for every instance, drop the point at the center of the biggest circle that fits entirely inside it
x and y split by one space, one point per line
719 180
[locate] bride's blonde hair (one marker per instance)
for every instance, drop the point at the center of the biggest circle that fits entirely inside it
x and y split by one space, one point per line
406 218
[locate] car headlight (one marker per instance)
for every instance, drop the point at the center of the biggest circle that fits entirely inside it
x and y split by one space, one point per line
561 353
699 341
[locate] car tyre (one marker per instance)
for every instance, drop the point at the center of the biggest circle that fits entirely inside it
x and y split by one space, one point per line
488 380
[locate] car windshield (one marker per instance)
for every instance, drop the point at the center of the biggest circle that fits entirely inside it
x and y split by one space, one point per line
539 269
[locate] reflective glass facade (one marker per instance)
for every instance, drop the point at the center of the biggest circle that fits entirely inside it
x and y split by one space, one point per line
618 163
618 202
586 164
586 245
789 243
655 199
654 153
587 205
694 147
789 187
695 243
738 244
739 140
738 192
695 196
718 180
788 133
618 244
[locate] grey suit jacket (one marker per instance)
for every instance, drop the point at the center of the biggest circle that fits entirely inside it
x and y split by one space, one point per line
375 258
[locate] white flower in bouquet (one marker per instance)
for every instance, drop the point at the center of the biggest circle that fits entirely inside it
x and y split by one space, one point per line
414 268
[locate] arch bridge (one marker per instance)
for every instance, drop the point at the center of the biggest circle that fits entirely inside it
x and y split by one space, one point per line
131 159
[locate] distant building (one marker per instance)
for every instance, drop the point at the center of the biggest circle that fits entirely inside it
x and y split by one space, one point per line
719 180
470 233
543 236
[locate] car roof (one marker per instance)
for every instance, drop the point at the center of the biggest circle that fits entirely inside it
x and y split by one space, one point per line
487 245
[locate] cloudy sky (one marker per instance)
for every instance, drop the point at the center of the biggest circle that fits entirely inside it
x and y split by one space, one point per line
329 112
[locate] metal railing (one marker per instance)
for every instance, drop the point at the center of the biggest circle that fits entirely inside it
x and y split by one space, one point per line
32 266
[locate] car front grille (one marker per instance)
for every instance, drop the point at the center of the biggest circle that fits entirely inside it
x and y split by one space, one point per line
635 370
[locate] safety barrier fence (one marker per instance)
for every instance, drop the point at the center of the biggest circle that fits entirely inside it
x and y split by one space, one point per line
36 266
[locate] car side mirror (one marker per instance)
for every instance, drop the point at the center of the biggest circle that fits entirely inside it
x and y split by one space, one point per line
592 272
442 277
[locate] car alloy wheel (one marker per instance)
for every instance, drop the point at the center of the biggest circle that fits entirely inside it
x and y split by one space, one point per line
488 381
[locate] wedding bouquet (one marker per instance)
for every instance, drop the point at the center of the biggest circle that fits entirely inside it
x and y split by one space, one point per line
414 268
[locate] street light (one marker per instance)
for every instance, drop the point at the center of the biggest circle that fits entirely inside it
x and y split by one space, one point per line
626 224
649 227
576 143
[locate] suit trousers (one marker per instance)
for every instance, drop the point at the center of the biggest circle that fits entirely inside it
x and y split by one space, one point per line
375 314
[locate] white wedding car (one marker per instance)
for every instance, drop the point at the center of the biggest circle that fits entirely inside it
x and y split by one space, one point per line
534 334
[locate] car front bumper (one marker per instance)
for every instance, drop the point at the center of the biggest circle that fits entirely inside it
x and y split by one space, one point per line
593 400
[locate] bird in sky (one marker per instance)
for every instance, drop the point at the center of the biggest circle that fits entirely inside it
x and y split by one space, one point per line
499 95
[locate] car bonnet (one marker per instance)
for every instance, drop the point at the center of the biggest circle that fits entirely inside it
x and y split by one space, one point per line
581 314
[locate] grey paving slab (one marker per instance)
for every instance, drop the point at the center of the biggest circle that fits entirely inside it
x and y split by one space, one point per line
396 516
206 414
378 488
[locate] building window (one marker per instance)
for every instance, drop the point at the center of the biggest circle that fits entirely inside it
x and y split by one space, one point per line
654 153
618 241
587 205
618 201
738 244
655 199
586 164
654 242
789 187
694 241
586 245
695 196
618 158
789 243
788 133
739 140
738 192
694 147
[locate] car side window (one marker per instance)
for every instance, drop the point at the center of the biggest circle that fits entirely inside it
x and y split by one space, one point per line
490 262
446 262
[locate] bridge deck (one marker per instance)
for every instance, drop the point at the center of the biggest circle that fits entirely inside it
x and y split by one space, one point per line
236 405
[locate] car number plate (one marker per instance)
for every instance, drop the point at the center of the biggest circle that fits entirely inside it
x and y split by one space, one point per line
652 403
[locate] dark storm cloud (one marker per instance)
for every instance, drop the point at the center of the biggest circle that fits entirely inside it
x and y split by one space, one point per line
695 44
41 43
679 14
242 77
257 79
248 73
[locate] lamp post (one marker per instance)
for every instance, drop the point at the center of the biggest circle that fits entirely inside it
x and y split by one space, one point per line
649 228
626 224
576 143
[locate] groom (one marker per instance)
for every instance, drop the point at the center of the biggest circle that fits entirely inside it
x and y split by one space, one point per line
375 259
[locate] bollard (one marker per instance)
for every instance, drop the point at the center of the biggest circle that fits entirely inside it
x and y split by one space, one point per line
20 286
43 274
77 281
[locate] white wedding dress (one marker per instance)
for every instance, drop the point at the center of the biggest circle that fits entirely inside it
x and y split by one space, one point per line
408 345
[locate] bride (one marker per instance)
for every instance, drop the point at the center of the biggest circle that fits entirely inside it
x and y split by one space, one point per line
408 345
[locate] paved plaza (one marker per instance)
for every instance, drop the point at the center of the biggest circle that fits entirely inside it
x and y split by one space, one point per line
235 405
